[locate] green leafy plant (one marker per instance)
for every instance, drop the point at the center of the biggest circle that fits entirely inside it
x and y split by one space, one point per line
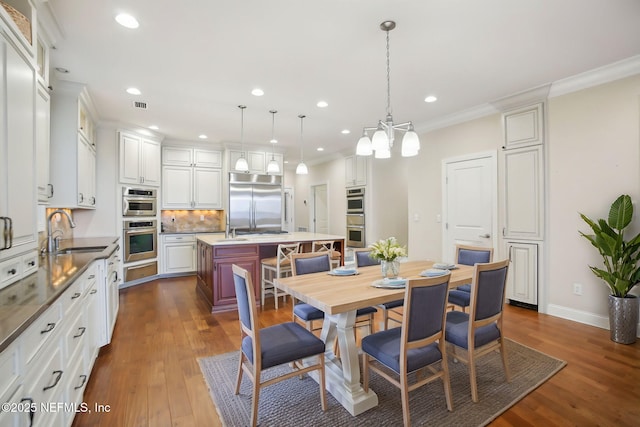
620 256
387 250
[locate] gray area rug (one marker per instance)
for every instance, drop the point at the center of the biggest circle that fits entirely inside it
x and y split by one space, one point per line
296 402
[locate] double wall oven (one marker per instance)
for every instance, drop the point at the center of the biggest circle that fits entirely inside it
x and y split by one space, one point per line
140 233
355 218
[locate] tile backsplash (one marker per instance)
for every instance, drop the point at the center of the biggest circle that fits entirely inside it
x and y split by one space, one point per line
197 221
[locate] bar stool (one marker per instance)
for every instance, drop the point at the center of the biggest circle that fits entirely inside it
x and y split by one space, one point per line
277 267
327 246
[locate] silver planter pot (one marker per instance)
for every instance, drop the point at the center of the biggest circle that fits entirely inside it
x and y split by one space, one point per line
623 318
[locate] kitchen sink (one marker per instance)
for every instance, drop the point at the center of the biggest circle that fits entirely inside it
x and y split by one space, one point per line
81 249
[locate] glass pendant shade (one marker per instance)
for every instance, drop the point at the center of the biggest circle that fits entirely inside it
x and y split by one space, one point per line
410 144
380 140
302 169
273 166
242 164
364 147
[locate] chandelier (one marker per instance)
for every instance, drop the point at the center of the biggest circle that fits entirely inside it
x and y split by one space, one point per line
382 141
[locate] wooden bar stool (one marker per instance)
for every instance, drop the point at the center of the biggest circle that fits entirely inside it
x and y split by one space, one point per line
277 267
327 246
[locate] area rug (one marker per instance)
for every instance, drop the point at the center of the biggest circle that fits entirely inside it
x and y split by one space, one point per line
296 402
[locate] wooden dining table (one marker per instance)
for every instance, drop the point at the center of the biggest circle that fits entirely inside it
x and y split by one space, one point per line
339 296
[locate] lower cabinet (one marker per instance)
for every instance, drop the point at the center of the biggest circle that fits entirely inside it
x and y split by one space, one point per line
522 280
178 253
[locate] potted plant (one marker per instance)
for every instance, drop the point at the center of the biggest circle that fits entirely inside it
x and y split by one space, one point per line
621 271
388 251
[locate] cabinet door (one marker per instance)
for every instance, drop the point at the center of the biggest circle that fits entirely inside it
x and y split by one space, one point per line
43 120
177 187
207 158
350 171
129 159
86 174
256 161
18 196
150 162
177 156
523 127
523 193
522 280
360 175
179 258
207 188
224 292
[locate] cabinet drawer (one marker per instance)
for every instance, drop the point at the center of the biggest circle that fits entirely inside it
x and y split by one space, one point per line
77 382
45 381
10 271
29 263
71 297
9 370
235 251
179 238
40 332
75 337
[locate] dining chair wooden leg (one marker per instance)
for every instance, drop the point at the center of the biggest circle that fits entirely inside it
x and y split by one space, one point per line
404 391
446 379
323 389
256 397
472 376
239 378
503 353
365 372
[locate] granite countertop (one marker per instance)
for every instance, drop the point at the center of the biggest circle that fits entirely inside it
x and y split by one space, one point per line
252 239
22 302
192 232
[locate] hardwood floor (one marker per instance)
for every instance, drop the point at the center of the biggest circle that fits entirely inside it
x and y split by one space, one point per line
149 375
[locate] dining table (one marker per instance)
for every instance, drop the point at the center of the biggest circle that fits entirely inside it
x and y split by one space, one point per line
339 296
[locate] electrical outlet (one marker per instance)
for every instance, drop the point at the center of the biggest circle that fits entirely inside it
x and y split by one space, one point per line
577 288
201 217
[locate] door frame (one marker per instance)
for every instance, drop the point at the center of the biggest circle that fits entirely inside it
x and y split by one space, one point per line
493 157
312 206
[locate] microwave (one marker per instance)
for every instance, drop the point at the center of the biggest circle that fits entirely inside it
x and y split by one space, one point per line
139 202
355 201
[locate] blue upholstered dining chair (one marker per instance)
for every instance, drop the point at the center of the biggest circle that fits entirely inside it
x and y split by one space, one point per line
272 346
314 262
364 260
468 255
418 345
479 332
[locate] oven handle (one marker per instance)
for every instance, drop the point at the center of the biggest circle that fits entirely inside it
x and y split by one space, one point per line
142 230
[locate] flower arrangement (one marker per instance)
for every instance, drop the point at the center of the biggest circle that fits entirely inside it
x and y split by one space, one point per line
387 250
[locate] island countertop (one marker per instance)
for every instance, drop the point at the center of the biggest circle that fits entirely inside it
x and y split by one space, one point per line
252 239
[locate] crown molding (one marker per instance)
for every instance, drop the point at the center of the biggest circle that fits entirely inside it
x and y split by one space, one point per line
520 99
457 118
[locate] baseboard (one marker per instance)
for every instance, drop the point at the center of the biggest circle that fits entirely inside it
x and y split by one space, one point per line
581 316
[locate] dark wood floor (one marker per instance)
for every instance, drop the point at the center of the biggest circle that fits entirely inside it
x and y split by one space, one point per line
149 375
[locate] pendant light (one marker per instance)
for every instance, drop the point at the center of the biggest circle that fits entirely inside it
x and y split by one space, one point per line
273 166
382 141
241 163
301 169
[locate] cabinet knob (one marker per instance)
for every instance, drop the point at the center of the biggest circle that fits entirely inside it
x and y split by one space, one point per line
12 271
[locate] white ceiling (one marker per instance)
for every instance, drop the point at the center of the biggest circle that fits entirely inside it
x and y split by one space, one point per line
196 60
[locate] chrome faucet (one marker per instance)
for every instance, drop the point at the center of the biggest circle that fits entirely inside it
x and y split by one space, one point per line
52 243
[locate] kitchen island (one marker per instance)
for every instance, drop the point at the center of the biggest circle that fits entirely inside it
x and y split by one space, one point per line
216 254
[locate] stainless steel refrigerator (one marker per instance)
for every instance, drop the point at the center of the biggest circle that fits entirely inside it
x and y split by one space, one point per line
255 203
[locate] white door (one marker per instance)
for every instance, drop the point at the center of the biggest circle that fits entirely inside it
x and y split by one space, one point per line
469 202
320 211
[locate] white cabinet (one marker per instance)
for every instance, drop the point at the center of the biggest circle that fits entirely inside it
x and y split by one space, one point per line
18 196
191 179
522 280
524 126
43 132
523 193
355 171
72 148
178 253
255 159
139 160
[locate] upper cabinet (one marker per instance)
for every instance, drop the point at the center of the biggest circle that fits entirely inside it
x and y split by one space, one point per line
257 160
355 171
73 147
191 178
18 198
19 17
43 136
139 160
523 127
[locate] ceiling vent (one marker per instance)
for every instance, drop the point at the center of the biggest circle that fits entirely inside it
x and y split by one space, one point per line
140 105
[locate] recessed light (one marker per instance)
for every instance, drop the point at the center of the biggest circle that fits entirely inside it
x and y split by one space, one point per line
431 98
127 21
154 127
320 149
133 91
203 136
345 131
322 104
286 161
62 70
257 92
